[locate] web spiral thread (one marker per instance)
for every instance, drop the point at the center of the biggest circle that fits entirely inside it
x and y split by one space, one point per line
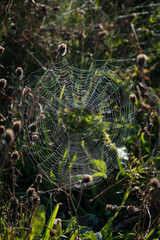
82 119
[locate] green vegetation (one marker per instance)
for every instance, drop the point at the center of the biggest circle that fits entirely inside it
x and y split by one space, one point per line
125 204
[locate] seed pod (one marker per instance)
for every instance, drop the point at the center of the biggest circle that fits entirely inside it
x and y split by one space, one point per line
15 156
109 207
16 126
155 182
19 72
52 233
42 116
131 209
87 179
62 48
30 191
3 83
38 179
56 8
13 25
137 189
32 127
14 202
142 59
133 98
1 50
35 137
9 136
2 129
36 199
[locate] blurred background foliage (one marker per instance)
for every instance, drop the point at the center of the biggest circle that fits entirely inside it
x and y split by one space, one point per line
113 31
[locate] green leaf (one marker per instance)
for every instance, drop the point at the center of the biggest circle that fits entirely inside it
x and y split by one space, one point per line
61 95
107 229
99 164
75 234
51 222
38 225
125 236
120 166
88 236
149 234
100 174
71 225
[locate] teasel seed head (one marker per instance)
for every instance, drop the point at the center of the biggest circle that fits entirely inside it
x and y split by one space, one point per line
16 126
36 199
35 137
131 209
14 202
142 59
137 189
15 156
30 192
38 179
52 233
133 98
9 136
109 207
2 129
19 72
42 116
87 179
62 48
32 127
155 182
1 50
3 83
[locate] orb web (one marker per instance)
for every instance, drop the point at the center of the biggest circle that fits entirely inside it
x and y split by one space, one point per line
82 119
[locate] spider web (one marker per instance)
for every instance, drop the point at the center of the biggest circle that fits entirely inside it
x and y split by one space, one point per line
82 118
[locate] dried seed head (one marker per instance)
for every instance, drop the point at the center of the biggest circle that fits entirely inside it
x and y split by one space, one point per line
63 127
56 8
30 191
109 207
132 16
16 126
155 182
3 83
62 48
24 147
87 179
131 209
2 129
14 202
137 189
15 156
1 50
42 117
9 136
52 233
19 72
57 221
35 137
32 127
13 25
142 59
103 33
36 199
38 179
133 98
